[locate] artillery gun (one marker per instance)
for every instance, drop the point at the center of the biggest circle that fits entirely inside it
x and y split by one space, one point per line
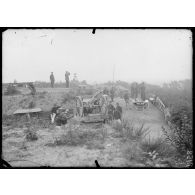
92 109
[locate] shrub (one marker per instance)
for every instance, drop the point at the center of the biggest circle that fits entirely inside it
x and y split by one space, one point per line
75 136
88 92
133 151
157 145
11 90
103 133
30 133
68 97
180 136
31 104
127 130
41 94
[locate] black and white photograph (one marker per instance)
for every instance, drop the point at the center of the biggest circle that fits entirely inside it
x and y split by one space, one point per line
97 97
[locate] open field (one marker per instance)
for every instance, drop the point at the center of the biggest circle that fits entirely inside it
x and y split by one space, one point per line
77 144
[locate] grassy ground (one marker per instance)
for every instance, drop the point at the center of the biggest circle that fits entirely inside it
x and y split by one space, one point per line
45 98
78 144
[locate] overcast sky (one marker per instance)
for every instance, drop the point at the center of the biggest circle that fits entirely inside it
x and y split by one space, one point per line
153 56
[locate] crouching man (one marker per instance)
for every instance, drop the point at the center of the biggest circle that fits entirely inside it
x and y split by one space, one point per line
54 112
59 115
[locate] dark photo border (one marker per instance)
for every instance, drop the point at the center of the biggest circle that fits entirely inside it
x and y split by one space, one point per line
94 30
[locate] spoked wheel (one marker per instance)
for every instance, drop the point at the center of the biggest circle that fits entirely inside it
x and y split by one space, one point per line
79 106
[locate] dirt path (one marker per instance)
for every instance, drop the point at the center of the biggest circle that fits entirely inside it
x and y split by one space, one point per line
150 117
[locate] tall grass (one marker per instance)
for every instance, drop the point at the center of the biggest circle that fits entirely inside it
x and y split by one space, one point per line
128 131
75 136
11 90
140 148
30 133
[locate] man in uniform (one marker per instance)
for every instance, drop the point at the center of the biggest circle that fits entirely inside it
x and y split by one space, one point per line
52 79
54 112
111 110
136 91
118 112
59 115
67 74
126 98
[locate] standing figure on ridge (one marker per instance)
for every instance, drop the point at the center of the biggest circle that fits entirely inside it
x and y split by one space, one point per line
52 80
67 74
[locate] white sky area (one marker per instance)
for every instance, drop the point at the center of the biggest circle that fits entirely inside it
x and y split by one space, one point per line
154 56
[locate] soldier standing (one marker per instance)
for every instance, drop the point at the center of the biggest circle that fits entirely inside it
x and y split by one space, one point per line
67 74
118 112
132 90
111 109
136 91
52 79
126 98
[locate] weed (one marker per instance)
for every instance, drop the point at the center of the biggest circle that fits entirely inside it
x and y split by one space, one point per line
128 131
104 133
31 104
132 151
30 133
158 153
74 136
180 137
23 147
11 90
68 97
156 145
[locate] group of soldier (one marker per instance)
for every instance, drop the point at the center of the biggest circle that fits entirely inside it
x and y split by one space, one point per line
114 113
52 79
136 90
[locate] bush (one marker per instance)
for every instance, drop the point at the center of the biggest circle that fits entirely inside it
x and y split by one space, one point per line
158 146
128 131
11 90
78 137
31 134
133 151
180 136
31 104
177 95
68 97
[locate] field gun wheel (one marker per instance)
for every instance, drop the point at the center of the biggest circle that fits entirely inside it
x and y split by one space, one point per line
79 106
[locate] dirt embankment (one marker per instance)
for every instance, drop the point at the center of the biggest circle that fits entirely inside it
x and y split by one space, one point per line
44 99
76 144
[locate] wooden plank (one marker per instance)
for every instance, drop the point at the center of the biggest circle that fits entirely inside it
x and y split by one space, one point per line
25 111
